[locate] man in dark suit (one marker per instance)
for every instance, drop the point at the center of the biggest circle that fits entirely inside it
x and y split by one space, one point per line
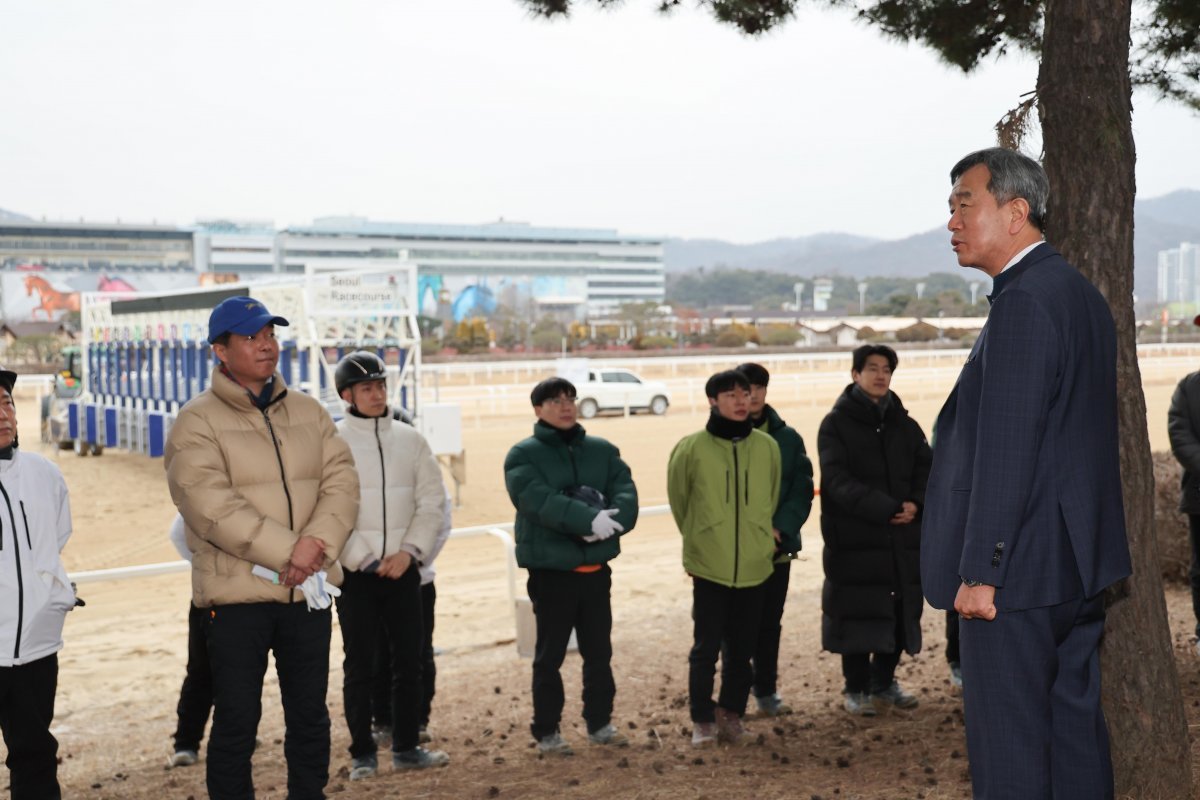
1024 524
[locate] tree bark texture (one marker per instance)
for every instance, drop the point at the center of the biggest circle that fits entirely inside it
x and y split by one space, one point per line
1085 105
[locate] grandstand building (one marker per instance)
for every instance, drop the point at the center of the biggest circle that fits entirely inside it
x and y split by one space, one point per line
90 247
469 270
465 270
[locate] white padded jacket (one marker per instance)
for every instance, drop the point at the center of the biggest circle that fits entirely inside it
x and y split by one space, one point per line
402 496
35 593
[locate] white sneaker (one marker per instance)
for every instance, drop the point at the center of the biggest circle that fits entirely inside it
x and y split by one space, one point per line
704 734
183 758
554 745
609 735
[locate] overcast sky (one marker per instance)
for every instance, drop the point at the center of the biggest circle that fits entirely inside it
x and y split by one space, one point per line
466 111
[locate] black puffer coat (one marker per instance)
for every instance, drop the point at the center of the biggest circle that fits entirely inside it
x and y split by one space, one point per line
1183 426
869 466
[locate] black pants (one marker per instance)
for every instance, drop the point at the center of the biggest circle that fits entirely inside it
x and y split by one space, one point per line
563 601
26 710
428 667
368 603
239 637
952 655
725 623
1194 569
196 696
766 651
874 672
381 694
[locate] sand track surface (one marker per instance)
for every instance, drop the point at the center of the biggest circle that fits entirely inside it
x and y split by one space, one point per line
125 652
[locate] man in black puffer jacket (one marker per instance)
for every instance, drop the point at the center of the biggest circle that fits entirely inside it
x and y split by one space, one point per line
874 466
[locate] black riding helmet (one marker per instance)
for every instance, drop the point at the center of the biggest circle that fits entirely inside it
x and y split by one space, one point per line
358 367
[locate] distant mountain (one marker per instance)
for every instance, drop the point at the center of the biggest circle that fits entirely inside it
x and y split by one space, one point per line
820 254
1181 207
12 216
1160 223
773 255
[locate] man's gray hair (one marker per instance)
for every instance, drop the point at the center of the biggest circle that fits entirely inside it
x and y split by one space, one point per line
1013 175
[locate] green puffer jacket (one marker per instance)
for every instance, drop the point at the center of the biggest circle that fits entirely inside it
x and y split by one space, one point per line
796 486
722 494
550 526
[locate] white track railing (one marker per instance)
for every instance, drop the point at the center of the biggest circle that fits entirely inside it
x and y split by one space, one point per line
501 531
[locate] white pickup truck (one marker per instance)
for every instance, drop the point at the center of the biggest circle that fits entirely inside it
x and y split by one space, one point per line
618 389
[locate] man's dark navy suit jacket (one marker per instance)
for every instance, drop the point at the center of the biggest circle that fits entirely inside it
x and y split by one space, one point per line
1025 491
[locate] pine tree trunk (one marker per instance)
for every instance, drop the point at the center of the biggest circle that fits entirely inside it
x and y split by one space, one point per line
1084 101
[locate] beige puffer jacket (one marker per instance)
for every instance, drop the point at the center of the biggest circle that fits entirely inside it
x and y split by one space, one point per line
246 499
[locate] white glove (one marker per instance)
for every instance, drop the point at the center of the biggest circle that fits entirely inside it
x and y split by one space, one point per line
317 593
604 526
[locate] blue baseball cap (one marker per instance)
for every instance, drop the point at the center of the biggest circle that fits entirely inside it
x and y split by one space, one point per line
244 316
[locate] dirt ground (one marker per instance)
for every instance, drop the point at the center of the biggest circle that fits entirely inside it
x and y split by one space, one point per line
125 653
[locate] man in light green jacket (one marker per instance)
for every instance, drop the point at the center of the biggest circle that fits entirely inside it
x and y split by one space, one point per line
723 486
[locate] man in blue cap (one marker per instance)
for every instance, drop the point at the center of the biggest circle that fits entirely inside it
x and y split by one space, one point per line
269 494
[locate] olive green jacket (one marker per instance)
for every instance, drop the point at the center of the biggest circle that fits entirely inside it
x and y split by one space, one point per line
722 494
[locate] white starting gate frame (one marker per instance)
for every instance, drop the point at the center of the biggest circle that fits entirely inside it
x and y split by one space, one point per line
145 355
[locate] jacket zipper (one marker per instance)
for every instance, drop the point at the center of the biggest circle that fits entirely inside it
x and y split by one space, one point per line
283 477
737 524
20 577
383 483
887 477
25 519
574 467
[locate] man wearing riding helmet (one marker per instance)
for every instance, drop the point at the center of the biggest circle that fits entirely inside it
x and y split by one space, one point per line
399 517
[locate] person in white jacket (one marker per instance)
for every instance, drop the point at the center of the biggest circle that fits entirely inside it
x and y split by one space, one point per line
35 596
399 517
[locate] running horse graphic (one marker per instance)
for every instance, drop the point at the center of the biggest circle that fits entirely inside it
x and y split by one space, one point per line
50 299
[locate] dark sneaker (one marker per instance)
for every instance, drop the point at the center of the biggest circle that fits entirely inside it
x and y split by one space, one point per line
183 758
608 735
704 734
895 696
554 745
419 758
363 767
730 729
772 705
859 703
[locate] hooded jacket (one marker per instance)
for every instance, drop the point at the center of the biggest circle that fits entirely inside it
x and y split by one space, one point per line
869 466
35 593
723 494
796 484
551 526
401 491
250 482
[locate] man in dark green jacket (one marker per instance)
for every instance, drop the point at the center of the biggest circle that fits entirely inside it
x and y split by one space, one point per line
795 502
723 486
574 498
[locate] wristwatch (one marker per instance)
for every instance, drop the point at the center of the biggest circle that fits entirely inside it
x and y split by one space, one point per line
973 584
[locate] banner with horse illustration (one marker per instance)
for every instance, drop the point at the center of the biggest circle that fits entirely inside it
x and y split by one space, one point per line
43 295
